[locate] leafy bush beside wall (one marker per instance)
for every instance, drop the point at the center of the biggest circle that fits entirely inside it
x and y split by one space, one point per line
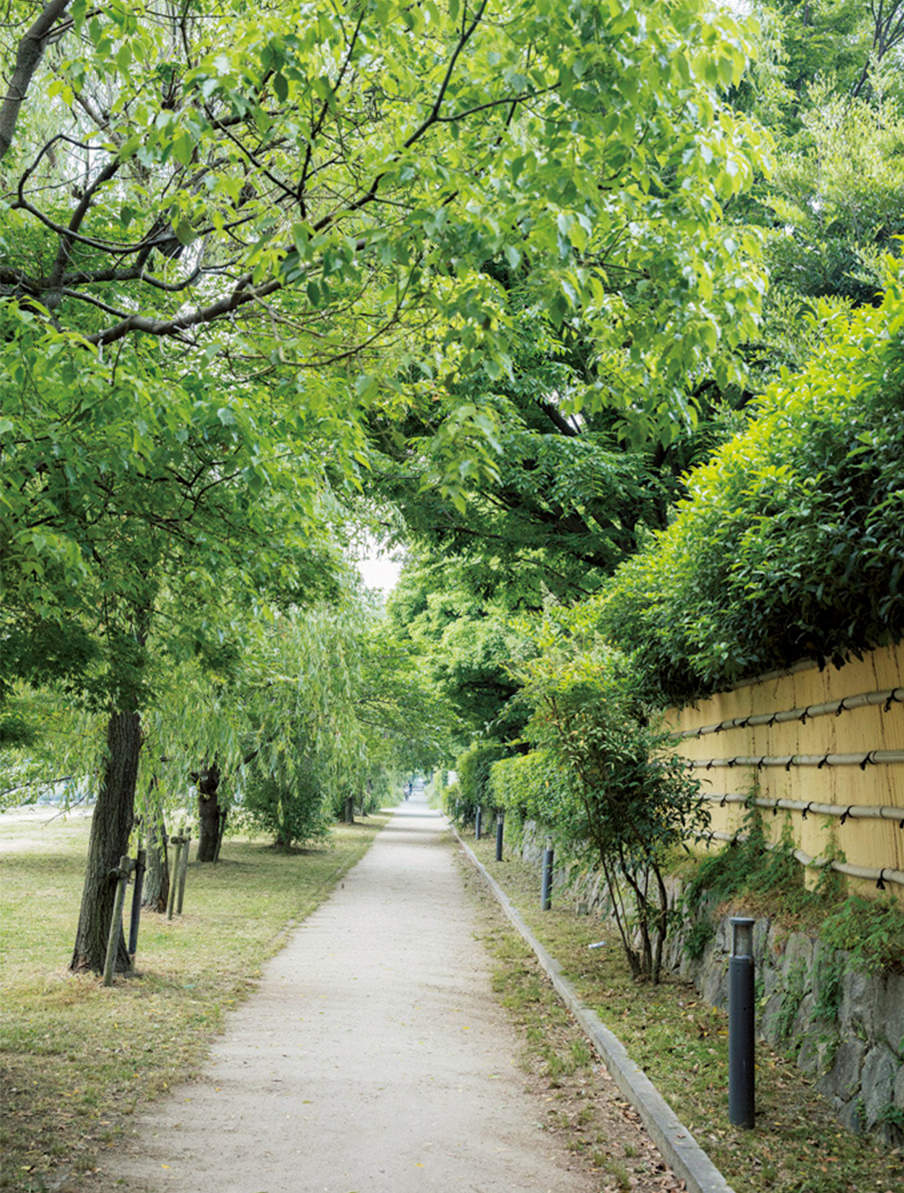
472 770
790 544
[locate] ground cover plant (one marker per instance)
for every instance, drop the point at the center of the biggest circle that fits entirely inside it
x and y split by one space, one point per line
770 882
77 1058
682 1044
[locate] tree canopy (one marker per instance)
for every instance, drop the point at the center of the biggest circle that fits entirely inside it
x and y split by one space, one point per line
495 278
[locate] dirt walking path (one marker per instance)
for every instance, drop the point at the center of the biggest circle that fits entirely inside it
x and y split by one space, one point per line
372 1057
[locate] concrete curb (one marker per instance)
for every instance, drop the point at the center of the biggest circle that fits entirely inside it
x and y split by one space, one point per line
678 1146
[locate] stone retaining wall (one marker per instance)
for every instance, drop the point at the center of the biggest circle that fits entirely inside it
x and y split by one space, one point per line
844 1028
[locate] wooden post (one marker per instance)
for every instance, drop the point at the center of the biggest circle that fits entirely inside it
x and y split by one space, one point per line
178 842
140 867
221 828
125 866
183 870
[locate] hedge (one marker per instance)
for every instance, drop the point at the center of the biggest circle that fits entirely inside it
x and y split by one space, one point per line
791 542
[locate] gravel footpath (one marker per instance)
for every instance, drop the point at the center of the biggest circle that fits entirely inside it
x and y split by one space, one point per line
372 1056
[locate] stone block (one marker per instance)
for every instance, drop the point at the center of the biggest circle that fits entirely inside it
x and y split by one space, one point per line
715 985
828 967
851 1116
890 1012
843 1079
761 941
771 980
798 956
770 1018
808 1055
859 1002
776 943
803 1027
826 1047
877 1082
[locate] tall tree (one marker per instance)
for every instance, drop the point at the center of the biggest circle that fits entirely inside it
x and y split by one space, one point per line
829 88
200 202
127 491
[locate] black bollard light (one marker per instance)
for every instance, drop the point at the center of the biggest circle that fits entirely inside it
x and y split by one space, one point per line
500 828
477 823
741 1047
545 894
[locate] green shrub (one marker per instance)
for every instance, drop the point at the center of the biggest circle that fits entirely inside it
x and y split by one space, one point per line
528 786
789 543
602 776
472 769
289 803
871 930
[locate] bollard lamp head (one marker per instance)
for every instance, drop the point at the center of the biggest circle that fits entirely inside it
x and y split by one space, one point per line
742 936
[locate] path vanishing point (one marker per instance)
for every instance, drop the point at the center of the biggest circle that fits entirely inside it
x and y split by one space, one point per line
372 1057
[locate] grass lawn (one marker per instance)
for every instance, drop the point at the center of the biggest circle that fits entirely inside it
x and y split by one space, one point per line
797 1146
75 1057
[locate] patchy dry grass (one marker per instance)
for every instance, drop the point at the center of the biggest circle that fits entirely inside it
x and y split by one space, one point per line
75 1057
797 1146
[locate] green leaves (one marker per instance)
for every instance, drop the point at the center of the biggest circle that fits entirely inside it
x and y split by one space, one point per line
789 545
600 776
356 173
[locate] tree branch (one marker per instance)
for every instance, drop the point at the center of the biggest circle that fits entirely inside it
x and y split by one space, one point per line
31 49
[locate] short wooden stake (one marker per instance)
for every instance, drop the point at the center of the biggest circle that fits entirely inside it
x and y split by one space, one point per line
125 867
140 867
221 828
178 842
183 871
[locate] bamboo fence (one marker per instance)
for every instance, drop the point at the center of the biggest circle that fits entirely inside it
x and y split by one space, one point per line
822 750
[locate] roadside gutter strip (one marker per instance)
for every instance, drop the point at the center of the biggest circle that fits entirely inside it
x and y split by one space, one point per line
687 1159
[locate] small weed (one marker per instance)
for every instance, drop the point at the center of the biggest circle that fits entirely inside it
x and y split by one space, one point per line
580 1053
827 982
698 936
893 1115
791 998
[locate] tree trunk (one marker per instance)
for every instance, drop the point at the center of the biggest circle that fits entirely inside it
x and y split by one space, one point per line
110 829
156 879
209 813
